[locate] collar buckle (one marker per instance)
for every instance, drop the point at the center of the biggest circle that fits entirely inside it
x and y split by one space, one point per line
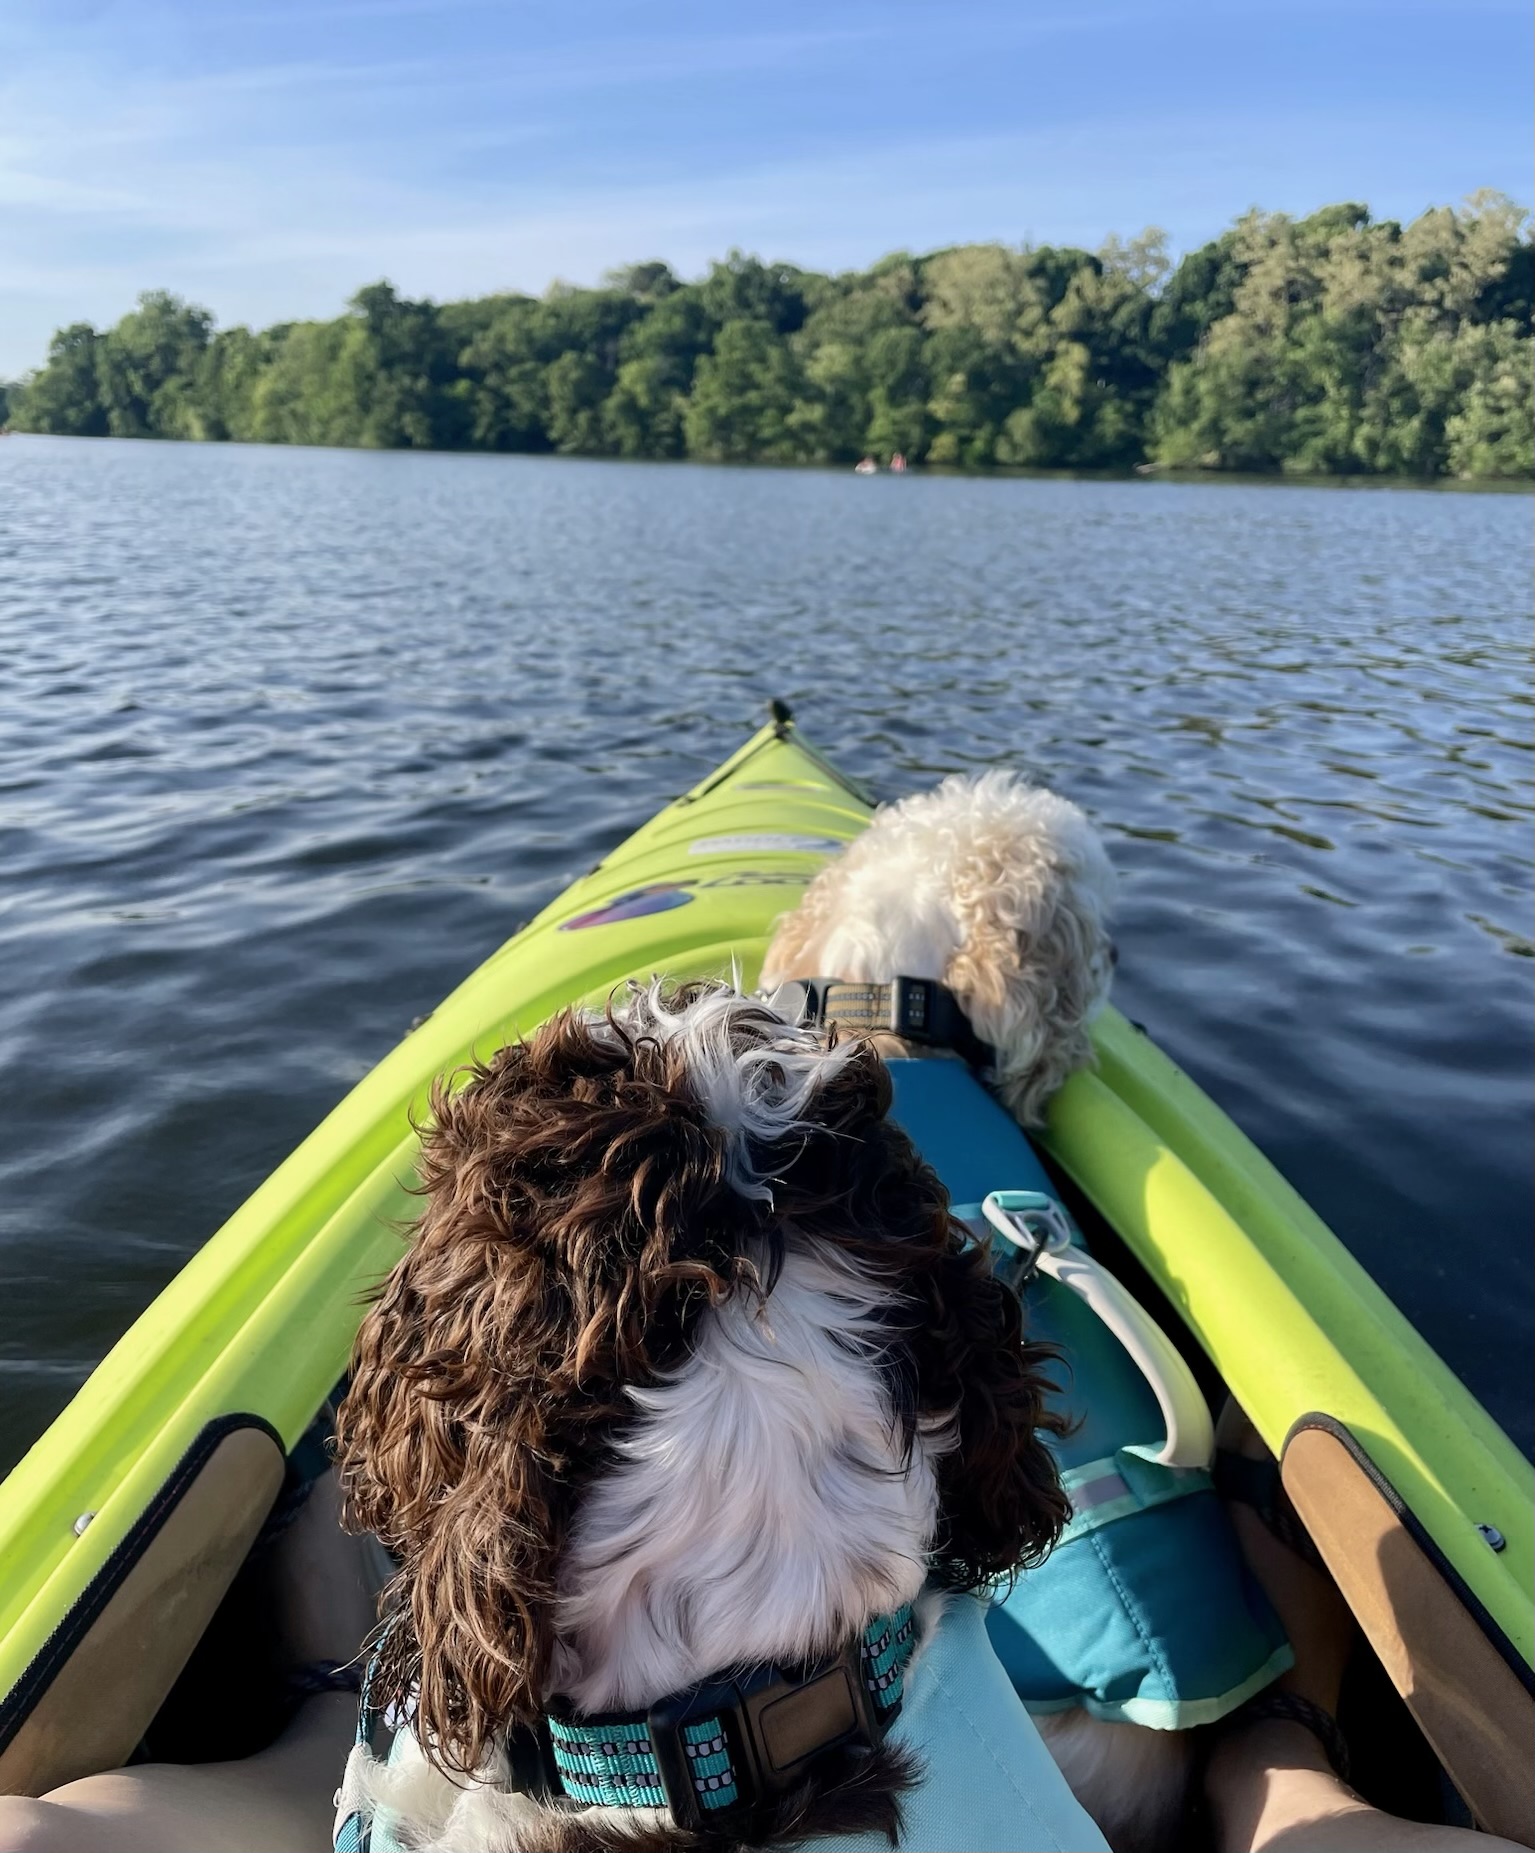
919 1010
532 1769
915 1008
773 1722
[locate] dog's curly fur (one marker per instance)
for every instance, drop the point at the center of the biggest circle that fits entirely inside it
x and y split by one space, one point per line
613 1204
996 888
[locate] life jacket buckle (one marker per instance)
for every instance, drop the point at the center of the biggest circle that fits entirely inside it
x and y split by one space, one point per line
1034 1223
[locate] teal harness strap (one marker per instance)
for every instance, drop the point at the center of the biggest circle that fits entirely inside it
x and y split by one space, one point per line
355 1833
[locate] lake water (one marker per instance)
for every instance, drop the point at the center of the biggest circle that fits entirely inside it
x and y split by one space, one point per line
290 740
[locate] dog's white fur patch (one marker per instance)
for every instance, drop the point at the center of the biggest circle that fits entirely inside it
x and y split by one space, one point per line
761 1506
754 1074
996 888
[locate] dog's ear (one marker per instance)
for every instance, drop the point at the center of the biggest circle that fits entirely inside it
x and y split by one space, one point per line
577 1218
1035 959
1001 1502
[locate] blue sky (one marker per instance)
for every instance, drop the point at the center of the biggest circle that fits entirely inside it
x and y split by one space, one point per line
265 157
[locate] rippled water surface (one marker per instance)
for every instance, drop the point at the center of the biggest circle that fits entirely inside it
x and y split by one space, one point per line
290 740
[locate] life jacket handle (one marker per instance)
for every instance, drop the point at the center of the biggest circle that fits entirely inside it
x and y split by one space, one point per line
1035 1223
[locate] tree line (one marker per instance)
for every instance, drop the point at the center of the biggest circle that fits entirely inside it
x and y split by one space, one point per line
1331 344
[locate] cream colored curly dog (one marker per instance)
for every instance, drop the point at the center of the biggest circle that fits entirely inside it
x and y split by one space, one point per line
993 887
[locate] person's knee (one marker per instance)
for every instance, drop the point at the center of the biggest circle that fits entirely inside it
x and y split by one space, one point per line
31 1826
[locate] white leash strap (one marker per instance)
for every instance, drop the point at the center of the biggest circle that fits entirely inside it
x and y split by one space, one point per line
1035 1223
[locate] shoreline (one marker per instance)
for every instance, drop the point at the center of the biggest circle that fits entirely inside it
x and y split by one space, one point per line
1149 474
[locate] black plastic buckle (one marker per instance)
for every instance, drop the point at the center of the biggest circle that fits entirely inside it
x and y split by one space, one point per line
801 1001
530 1758
812 1012
914 1011
776 1721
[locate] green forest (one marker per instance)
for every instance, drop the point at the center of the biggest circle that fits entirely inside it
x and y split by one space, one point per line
1332 344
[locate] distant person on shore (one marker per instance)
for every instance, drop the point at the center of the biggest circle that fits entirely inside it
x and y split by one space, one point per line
897 462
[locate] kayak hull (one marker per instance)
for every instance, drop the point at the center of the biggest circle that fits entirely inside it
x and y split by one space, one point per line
258 1325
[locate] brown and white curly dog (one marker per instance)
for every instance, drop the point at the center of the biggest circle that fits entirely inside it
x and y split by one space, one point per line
688 1367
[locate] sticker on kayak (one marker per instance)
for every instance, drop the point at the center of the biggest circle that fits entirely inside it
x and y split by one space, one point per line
659 898
755 878
782 785
749 840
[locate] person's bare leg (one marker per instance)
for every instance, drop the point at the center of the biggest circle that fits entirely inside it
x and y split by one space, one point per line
279 1801
1269 1783
1271 1787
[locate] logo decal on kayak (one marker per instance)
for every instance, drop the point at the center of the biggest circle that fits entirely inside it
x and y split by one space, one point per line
756 878
770 840
782 785
658 898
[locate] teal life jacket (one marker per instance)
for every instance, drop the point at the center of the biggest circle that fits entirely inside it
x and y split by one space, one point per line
1145 1612
987 1780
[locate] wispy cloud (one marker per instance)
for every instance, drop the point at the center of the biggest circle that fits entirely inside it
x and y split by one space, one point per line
444 148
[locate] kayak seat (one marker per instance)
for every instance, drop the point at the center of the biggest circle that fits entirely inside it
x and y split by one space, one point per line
1145 1612
88 1698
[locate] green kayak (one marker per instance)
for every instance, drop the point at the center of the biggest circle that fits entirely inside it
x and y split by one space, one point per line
125 1524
